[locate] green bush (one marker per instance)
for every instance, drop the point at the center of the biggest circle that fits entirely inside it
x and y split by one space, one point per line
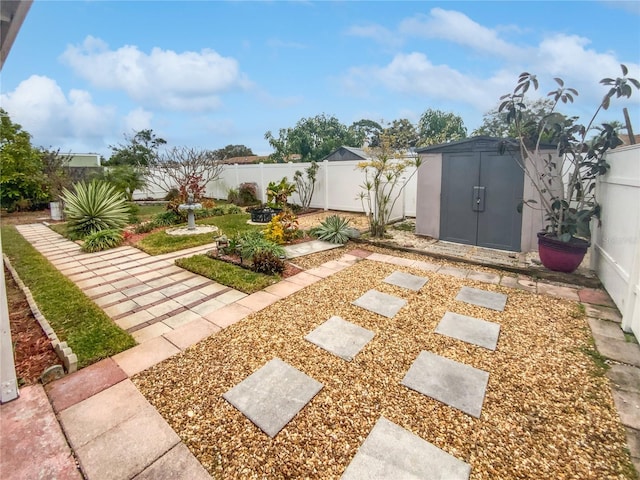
247 194
102 240
167 218
248 244
145 227
93 207
233 196
334 229
232 210
173 194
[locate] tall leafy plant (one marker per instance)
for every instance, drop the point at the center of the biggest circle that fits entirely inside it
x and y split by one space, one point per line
306 184
94 207
566 182
384 182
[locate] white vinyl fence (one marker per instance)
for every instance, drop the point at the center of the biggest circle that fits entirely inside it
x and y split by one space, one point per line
616 244
338 185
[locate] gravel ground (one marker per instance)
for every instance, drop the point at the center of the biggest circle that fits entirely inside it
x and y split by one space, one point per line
548 412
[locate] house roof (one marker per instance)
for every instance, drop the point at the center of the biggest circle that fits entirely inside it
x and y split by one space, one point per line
246 160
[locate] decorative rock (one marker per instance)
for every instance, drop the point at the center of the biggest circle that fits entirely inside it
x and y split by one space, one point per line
52 373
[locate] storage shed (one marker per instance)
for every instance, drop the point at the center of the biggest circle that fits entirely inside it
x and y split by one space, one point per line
468 193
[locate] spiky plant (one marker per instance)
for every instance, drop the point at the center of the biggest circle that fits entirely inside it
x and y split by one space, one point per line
102 240
94 207
334 229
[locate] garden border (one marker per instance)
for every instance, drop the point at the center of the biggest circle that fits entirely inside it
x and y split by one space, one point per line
64 352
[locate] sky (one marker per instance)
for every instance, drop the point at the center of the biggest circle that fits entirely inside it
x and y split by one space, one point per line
206 74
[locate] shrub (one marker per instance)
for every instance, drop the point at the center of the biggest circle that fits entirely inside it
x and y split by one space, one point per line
233 210
282 228
249 243
334 229
233 196
134 210
166 219
145 227
93 207
102 240
208 203
267 263
173 194
247 194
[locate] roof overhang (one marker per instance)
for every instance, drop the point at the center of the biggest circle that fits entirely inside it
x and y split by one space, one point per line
12 14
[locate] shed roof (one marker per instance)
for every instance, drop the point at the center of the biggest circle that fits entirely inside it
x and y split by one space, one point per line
481 142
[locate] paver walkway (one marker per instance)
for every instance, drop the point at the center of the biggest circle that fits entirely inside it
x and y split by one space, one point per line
114 431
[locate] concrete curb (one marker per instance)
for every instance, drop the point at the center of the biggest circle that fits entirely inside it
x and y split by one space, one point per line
68 358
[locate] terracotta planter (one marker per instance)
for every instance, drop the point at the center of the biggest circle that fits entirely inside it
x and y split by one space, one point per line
561 256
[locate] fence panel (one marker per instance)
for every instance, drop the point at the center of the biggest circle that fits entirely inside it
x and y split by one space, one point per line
616 244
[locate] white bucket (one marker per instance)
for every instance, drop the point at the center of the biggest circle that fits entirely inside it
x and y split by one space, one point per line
56 210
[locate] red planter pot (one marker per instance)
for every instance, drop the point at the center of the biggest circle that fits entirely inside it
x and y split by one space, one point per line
561 256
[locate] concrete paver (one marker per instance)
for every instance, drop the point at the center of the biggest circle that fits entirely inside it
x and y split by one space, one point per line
380 303
341 338
406 280
272 395
482 298
84 383
145 355
258 300
469 329
390 451
452 383
151 331
33 445
191 333
175 464
228 315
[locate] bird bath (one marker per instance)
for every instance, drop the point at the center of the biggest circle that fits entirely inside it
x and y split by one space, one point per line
191 228
190 207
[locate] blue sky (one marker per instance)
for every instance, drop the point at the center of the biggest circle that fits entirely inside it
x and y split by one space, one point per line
208 74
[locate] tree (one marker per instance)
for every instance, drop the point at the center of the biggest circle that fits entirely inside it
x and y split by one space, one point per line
138 149
383 183
185 168
231 151
126 179
367 132
22 180
436 126
311 138
56 170
495 124
402 135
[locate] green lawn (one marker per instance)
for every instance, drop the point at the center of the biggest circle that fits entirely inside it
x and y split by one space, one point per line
232 276
160 242
89 332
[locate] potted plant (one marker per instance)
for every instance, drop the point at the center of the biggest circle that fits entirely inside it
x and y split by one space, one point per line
565 181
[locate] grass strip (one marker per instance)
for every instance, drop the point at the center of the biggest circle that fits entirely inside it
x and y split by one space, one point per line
89 332
227 274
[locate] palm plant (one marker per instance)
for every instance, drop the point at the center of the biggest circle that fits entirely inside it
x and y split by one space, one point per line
94 207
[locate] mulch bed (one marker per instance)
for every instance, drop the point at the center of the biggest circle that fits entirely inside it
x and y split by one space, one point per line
33 352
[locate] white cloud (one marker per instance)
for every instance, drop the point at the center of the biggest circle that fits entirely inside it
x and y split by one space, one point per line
415 75
458 28
187 81
55 119
377 33
137 119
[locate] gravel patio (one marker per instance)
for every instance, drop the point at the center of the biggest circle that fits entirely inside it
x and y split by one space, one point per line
548 410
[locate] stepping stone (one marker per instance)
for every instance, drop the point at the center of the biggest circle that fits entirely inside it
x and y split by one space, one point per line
393 452
406 280
450 382
380 303
271 396
469 329
482 298
340 337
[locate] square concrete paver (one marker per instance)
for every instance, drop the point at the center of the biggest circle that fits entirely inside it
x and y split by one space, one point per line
482 298
271 396
307 248
178 462
452 383
380 303
392 452
406 280
469 329
340 337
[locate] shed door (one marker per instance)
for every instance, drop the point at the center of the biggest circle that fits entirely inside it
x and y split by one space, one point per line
480 192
